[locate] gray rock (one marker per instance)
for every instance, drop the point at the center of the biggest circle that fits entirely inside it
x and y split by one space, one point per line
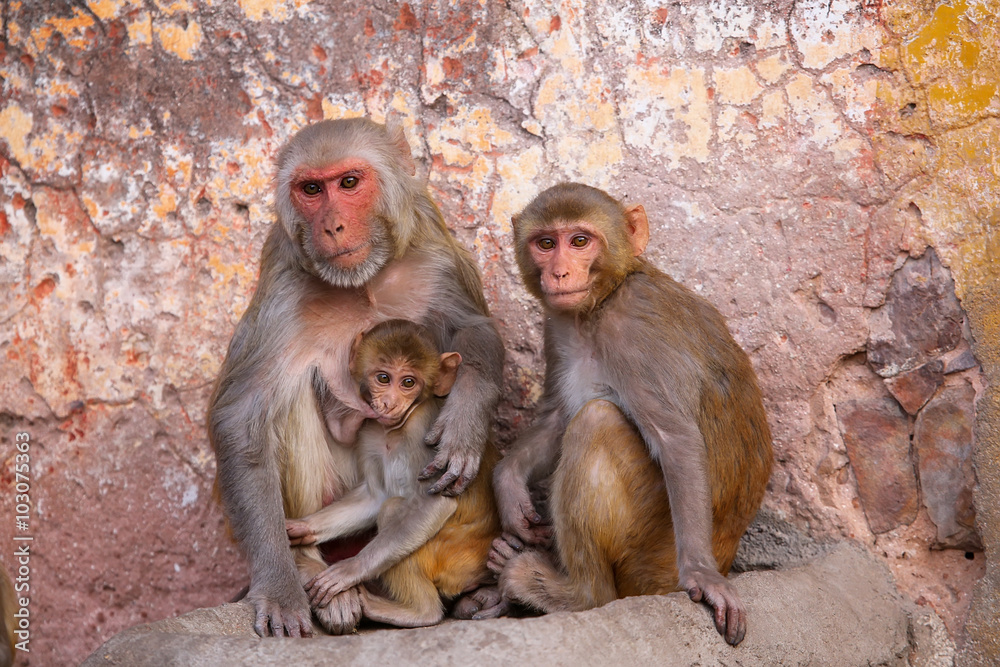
920 320
841 609
943 441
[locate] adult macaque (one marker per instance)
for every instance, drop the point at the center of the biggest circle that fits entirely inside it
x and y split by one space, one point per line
357 240
651 424
428 546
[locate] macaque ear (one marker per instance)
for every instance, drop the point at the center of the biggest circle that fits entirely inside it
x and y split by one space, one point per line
394 126
449 371
351 365
637 227
515 220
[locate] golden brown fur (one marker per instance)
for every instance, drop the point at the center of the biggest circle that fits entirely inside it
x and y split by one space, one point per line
651 424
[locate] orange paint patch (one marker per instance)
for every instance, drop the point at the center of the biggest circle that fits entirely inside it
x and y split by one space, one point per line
4 225
555 23
452 67
407 20
43 289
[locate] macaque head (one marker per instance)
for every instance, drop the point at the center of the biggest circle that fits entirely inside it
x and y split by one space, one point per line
397 366
346 194
575 244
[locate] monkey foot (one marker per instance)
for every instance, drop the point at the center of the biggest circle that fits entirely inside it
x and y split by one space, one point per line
485 602
342 614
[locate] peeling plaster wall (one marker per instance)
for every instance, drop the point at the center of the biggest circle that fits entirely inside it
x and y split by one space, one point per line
796 160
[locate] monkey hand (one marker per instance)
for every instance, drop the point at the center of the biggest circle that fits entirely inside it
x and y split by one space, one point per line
503 549
704 584
519 516
300 533
334 580
281 612
460 440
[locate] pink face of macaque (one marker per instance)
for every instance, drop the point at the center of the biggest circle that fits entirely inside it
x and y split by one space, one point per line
565 253
394 387
337 202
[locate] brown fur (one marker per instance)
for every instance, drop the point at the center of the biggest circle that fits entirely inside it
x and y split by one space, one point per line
284 415
651 425
427 547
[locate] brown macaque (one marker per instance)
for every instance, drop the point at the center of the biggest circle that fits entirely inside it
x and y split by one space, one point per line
428 547
357 241
651 424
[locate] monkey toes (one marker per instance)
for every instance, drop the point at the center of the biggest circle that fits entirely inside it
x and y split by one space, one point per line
728 612
342 614
503 550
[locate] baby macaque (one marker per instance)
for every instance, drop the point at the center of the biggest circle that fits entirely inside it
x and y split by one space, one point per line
428 546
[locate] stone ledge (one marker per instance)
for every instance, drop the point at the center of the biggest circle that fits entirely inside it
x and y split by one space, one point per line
839 609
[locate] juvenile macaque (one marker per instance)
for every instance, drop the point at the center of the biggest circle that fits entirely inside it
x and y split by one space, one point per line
357 241
651 424
427 546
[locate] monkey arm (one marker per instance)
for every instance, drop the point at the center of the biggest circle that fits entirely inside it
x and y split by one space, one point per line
404 525
678 446
462 428
250 489
356 511
531 457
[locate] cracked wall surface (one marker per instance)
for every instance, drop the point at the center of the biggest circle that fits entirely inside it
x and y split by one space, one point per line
826 173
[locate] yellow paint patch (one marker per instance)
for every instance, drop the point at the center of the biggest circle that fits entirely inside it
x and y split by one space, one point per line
167 203
180 41
772 68
518 174
773 109
74 29
947 56
170 7
668 112
15 126
256 10
736 86
104 9
333 111
140 31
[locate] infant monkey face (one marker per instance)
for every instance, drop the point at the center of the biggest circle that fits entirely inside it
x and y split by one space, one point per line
393 389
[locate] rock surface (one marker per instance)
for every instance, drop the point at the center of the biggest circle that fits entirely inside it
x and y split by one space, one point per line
841 609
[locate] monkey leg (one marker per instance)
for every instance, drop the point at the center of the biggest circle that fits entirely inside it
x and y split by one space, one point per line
415 599
343 613
611 515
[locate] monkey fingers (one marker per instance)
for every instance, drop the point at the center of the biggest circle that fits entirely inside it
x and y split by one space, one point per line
482 603
343 613
525 521
332 581
503 549
460 463
272 619
728 612
300 533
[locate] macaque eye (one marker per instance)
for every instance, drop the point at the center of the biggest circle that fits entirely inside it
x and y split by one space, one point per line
579 241
349 182
546 244
382 378
312 189
409 383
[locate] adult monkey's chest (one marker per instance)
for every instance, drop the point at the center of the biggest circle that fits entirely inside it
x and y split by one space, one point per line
330 319
580 375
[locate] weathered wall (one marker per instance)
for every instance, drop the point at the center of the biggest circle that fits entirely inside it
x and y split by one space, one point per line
827 173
